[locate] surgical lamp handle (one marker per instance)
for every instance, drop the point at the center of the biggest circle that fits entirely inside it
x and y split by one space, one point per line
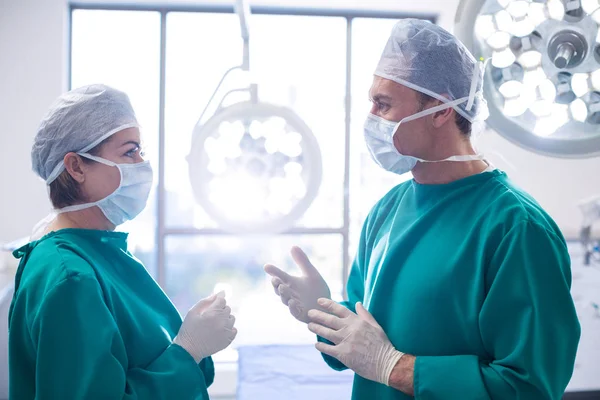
246 89
208 103
242 8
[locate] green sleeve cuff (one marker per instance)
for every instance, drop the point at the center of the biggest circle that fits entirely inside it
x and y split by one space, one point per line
207 366
449 377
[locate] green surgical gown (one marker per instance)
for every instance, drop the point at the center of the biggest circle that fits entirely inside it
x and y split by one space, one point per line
473 278
88 322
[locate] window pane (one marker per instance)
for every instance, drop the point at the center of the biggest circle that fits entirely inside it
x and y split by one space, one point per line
304 70
196 61
368 182
196 266
107 49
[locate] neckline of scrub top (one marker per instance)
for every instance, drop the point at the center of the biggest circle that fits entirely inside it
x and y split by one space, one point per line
469 180
117 238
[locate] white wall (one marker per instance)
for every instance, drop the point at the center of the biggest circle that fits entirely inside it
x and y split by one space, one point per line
33 58
32 71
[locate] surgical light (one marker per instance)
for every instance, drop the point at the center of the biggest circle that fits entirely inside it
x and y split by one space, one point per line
522 27
511 89
593 101
550 123
518 8
556 9
484 26
499 40
504 21
564 90
579 110
503 59
533 78
543 87
530 59
254 167
595 79
589 6
580 84
538 13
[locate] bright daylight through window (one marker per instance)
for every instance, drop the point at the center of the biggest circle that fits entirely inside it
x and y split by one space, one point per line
199 256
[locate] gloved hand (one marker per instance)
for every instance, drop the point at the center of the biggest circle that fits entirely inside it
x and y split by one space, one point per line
207 328
299 293
360 342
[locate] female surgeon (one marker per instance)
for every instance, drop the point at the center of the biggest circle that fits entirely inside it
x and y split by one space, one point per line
87 321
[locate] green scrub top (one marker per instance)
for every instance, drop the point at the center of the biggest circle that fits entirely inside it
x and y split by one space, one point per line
473 278
88 322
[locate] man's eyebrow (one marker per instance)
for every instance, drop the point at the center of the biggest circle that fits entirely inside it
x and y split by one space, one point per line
380 97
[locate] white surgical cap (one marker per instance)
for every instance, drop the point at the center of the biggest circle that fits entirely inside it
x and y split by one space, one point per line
426 58
78 121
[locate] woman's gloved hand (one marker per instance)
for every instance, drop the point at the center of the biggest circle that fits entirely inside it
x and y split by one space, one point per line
207 328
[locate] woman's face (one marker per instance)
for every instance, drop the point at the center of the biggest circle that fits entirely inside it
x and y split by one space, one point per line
101 180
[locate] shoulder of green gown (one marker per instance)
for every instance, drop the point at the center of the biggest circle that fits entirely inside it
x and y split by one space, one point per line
57 257
493 192
390 199
515 205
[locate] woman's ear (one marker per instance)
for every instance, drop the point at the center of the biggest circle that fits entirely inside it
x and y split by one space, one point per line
74 166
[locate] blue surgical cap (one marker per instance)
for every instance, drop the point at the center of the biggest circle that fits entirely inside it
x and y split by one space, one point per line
78 121
426 58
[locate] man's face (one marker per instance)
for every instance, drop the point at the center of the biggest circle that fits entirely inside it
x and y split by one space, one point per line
394 102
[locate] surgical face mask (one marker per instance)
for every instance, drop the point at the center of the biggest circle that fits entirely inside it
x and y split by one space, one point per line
130 198
379 137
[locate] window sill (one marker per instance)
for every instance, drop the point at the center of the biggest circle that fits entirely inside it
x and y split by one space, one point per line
225 384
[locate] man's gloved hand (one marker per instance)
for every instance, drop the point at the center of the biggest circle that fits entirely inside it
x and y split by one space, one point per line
299 293
359 341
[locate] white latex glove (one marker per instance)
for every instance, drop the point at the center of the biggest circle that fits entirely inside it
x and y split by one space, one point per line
207 328
299 293
360 342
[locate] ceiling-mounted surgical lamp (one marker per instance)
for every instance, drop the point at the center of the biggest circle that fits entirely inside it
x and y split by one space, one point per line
543 82
254 167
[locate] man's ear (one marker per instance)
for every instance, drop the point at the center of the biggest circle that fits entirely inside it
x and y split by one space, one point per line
441 117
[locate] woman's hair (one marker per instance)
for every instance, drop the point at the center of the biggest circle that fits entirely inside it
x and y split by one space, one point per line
66 191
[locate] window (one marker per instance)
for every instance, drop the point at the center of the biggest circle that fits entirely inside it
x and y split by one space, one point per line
127 59
322 73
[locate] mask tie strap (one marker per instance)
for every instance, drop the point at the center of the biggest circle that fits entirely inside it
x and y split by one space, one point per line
98 159
433 110
474 82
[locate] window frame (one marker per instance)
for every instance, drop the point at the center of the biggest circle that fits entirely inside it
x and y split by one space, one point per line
162 230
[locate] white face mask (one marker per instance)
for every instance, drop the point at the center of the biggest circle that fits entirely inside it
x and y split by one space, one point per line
379 137
130 198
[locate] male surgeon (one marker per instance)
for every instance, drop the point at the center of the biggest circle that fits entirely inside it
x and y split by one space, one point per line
461 285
